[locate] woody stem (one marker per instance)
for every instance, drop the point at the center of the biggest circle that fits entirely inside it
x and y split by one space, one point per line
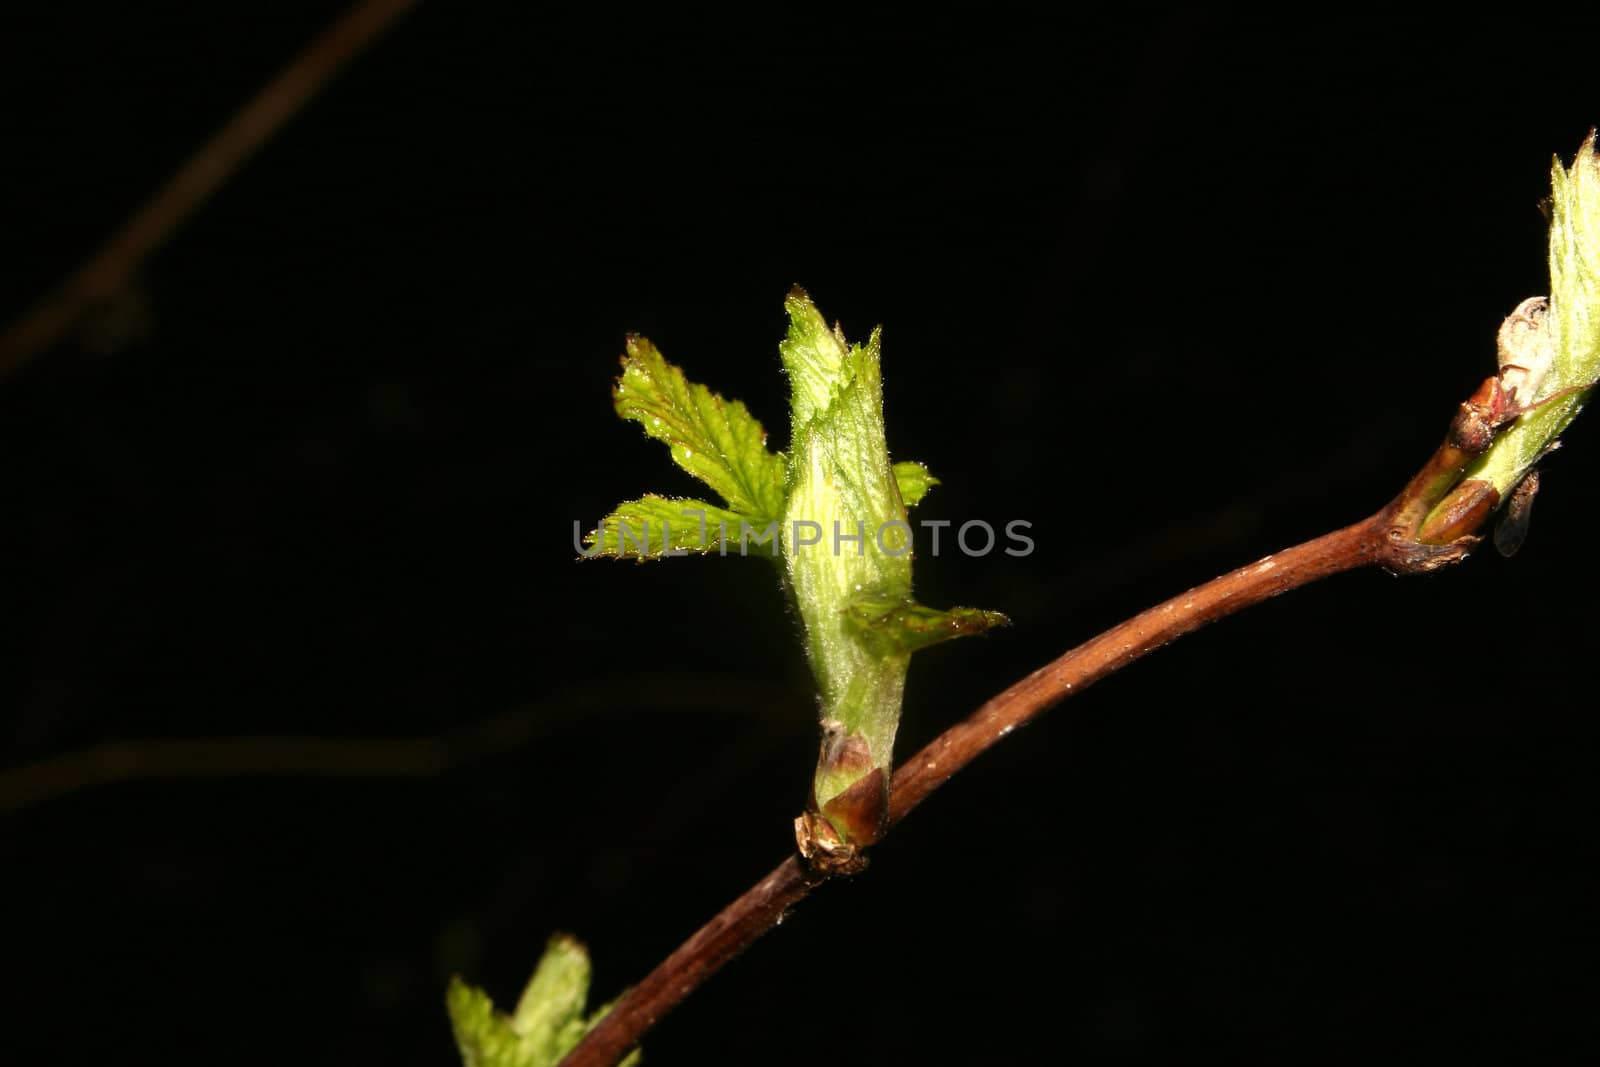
761 907
1388 538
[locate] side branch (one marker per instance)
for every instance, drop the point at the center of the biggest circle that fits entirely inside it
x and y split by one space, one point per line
762 906
1395 538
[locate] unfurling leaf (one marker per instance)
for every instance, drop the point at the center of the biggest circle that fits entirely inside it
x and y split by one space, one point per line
914 482
551 1005
843 489
655 526
903 625
483 1035
715 439
547 1024
1571 326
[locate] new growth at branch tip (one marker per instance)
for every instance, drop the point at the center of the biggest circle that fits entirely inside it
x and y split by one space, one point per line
1549 361
833 510
550 1019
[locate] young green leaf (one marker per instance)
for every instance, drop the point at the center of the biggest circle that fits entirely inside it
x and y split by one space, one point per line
814 357
550 1009
714 439
914 482
653 527
1571 326
905 626
483 1036
548 1022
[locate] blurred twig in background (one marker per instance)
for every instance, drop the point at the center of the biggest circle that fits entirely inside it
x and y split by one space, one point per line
202 174
116 762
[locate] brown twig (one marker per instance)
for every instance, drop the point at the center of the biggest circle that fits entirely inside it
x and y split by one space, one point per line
760 908
108 270
1390 538
1076 670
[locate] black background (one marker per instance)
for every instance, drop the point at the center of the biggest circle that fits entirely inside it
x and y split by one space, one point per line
1180 291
